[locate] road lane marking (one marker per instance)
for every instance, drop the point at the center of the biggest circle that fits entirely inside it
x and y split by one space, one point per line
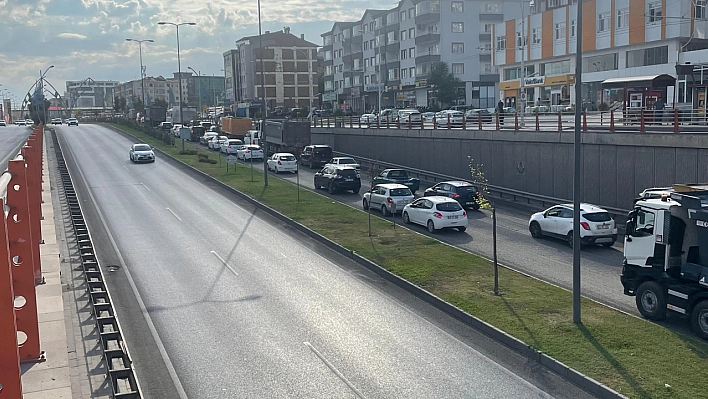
224 262
126 168
174 214
335 371
146 187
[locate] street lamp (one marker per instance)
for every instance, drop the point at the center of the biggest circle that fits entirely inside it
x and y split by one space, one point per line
199 92
179 65
142 70
263 108
41 79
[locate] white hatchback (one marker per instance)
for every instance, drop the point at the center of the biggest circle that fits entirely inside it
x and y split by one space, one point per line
596 224
282 162
250 152
436 213
389 197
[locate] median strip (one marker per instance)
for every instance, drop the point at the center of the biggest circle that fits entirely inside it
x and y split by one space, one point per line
634 357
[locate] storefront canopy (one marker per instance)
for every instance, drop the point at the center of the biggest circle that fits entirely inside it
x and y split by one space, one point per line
654 81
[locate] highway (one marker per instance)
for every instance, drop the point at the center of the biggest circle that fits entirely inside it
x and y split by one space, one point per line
240 316
11 139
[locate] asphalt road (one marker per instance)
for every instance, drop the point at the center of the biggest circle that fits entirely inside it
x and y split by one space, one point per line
240 316
548 259
11 139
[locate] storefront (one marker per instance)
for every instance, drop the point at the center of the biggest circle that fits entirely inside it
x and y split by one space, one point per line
637 91
553 92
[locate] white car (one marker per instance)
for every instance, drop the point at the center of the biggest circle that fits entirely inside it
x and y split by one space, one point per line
2 122
282 162
176 130
231 146
597 226
216 142
250 152
207 137
384 196
72 121
141 153
20 122
436 213
410 117
368 119
455 118
345 161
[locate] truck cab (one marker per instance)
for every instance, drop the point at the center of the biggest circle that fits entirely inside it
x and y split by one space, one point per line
251 137
666 256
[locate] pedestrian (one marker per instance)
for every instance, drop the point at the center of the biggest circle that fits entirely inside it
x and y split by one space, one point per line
500 111
659 110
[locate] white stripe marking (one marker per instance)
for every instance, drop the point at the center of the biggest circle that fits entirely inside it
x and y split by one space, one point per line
335 371
146 187
224 262
126 168
174 214
678 294
676 309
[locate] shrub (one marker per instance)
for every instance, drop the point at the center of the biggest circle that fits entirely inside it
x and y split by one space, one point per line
188 152
603 107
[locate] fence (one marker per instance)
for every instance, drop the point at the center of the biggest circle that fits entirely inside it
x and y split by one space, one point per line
20 267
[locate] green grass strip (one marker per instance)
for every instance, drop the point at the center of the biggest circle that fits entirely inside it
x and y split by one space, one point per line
635 357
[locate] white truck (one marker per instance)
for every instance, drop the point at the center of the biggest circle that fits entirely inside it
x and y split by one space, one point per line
666 255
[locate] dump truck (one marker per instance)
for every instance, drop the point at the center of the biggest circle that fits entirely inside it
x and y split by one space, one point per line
236 128
666 255
282 135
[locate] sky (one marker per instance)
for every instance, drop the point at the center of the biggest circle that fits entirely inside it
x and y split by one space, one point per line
86 38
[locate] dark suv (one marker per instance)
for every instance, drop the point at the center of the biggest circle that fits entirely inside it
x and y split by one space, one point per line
463 192
315 155
336 178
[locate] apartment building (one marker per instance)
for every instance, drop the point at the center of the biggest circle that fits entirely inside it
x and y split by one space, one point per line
156 88
290 71
384 59
630 49
89 94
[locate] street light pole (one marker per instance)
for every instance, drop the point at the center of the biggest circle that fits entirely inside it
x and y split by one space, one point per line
142 70
263 100
199 92
179 65
523 96
576 174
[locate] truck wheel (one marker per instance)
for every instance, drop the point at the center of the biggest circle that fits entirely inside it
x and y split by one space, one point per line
699 319
651 300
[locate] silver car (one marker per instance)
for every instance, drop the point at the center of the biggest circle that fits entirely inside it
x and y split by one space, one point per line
409 117
388 197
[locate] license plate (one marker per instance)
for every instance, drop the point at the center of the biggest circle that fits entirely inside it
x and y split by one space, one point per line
350 179
603 240
453 217
603 227
469 203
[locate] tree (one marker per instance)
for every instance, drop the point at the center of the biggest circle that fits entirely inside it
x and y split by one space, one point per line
116 104
480 180
138 105
160 103
444 83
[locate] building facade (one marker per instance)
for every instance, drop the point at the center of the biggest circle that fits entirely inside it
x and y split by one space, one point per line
156 88
207 91
90 95
630 49
289 68
384 59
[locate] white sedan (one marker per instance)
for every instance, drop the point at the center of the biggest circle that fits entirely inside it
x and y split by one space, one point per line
454 117
231 146
436 213
282 162
250 152
216 142
368 119
389 197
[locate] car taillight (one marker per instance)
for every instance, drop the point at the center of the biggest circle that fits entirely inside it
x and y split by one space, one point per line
437 215
229 147
279 163
614 224
464 214
456 196
247 151
260 151
389 200
585 225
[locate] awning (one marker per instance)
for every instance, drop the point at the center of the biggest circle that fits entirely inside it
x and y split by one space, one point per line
662 80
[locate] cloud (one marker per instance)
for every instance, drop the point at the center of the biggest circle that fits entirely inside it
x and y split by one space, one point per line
68 35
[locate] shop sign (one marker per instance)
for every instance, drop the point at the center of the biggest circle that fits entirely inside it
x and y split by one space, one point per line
329 96
421 83
535 81
400 96
410 96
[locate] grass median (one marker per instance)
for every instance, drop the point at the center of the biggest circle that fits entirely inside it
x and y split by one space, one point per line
635 357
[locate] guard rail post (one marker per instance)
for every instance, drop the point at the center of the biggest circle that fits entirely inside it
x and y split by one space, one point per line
328 122
19 234
676 121
388 125
435 122
538 124
516 121
410 122
448 121
585 121
479 122
367 120
10 372
464 122
560 122
32 159
612 120
351 121
321 121
378 121
497 120
398 122
641 121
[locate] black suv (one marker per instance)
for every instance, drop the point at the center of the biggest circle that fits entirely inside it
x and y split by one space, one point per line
315 155
336 178
463 192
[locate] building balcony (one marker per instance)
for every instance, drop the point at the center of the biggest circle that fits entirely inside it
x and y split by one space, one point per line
426 57
491 17
429 16
428 36
485 37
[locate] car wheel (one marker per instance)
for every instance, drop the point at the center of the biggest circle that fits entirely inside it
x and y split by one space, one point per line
317 186
569 239
276 170
384 210
699 319
475 207
356 190
365 204
330 188
431 227
651 300
536 231
406 218
462 229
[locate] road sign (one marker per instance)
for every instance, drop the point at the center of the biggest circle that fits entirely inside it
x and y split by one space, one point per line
523 96
184 133
231 159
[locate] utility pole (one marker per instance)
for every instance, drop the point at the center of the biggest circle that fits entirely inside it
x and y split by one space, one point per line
179 65
577 154
199 92
263 100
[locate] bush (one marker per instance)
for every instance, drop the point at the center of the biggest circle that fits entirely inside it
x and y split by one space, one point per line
188 152
203 157
603 107
338 112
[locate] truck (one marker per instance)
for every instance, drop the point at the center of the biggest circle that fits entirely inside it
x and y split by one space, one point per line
666 255
156 115
282 135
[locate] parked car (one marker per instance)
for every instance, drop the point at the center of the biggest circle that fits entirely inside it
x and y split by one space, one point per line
410 117
55 121
207 137
449 117
282 162
398 176
386 196
474 115
463 192
249 152
231 146
20 122
367 119
436 213
72 122
2 122
346 161
216 142
165 126
141 153
597 226
315 155
336 178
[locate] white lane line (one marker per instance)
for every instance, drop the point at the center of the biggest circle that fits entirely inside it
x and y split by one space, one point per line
335 371
146 187
224 262
174 214
126 168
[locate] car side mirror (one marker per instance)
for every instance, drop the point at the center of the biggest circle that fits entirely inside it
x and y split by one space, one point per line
545 214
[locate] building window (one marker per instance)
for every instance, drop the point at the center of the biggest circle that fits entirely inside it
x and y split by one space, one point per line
404 35
654 13
487 28
491 7
458 6
411 52
403 16
486 47
560 31
366 45
603 22
623 18
411 33
535 35
411 72
700 9
404 73
366 63
404 54
411 13
599 63
556 3
367 80
519 40
553 68
357 80
501 42
347 82
649 56
458 68
458 27
572 28
458 48
328 85
393 74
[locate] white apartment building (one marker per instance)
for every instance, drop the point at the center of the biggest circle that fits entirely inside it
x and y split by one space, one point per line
156 88
89 94
630 51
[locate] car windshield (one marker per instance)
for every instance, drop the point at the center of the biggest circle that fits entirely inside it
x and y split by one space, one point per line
448 207
399 174
597 217
142 147
400 192
287 158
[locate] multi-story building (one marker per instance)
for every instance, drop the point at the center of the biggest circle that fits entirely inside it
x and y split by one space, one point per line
156 88
385 57
90 95
630 49
204 90
290 71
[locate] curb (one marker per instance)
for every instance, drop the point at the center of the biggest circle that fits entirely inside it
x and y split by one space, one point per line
581 380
